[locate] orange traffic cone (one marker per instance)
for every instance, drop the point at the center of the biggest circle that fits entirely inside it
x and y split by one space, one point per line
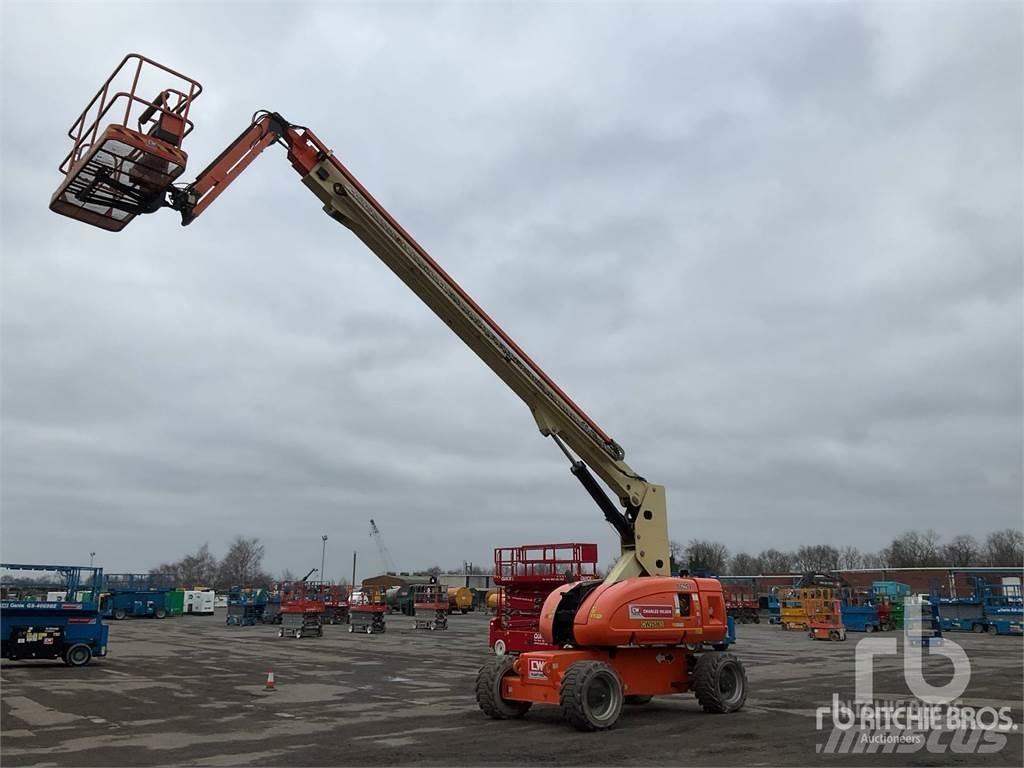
270 680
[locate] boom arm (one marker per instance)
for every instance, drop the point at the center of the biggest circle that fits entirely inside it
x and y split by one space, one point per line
642 527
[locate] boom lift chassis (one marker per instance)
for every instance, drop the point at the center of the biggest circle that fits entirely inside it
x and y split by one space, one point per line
622 639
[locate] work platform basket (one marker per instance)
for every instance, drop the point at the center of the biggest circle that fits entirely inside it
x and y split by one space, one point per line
126 149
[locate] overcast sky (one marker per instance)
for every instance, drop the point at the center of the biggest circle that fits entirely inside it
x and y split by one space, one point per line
774 250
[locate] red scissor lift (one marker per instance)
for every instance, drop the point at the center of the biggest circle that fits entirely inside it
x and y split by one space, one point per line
525 576
335 598
302 610
366 607
430 602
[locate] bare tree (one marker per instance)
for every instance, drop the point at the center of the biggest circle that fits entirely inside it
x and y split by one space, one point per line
876 559
774 561
242 565
915 549
817 557
1005 547
676 557
198 569
710 556
743 564
850 558
962 551
169 571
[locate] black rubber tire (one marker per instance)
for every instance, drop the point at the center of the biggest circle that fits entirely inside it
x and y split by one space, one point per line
834 636
578 685
869 628
720 683
465 611
488 690
160 613
637 700
979 628
757 619
992 629
78 655
810 634
120 614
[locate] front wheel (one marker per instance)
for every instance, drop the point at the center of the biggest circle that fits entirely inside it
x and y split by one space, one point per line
720 683
160 613
993 629
979 628
591 696
369 629
869 628
351 628
488 690
78 655
499 648
120 614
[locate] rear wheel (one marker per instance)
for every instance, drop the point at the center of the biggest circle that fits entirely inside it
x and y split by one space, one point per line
591 696
351 628
979 628
160 613
120 614
992 629
77 655
499 648
869 628
834 635
720 683
369 629
488 690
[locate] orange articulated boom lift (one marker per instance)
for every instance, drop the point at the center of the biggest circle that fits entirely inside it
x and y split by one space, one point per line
637 633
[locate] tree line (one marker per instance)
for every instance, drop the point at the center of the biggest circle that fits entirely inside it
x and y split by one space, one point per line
911 549
242 565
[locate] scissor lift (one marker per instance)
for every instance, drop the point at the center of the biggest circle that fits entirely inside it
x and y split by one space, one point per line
431 606
302 611
32 626
366 607
525 576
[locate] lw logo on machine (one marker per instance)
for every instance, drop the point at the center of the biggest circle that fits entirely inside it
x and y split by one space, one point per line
650 611
536 671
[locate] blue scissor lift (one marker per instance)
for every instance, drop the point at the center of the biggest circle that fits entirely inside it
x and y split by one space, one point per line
32 626
135 594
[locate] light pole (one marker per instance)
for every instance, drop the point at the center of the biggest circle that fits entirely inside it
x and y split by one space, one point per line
323 553
91 556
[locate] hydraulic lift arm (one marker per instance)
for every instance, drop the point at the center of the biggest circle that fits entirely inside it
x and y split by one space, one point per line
641 523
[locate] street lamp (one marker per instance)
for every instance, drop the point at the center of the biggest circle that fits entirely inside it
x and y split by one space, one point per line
323 552
91 556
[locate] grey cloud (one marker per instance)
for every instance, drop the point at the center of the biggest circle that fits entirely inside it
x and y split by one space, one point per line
775 251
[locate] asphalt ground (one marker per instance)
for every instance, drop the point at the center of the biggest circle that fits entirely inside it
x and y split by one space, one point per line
191 691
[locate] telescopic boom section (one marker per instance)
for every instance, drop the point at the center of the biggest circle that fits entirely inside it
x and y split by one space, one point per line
642 527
